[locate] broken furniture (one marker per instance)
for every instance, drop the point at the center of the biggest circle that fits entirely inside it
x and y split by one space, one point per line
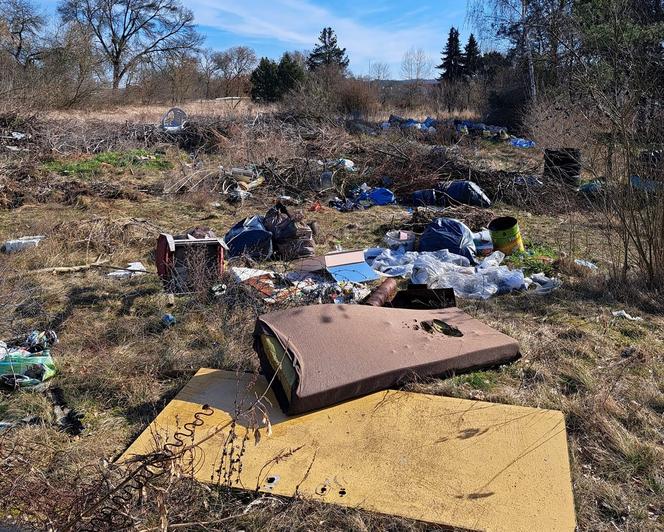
343 266
323 354
189 262
466 464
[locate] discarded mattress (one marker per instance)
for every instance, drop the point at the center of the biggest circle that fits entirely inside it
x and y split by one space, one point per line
320 355
466 464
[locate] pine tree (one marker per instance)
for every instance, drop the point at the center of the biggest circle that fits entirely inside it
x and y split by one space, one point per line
327 53
472 60
265 81
290 73
452 65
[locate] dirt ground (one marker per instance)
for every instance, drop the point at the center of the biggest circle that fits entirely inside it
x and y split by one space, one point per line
118 366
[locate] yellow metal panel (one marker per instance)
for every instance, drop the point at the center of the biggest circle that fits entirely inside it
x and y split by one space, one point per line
470 464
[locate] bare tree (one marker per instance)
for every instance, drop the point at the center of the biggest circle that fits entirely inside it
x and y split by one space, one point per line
379 71
130 31
209 68
20 30
415 66
235 66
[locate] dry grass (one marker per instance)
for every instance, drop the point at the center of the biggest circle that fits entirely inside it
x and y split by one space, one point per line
153 113
119 366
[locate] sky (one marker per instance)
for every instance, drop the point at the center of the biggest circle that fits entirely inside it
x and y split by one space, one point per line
370 30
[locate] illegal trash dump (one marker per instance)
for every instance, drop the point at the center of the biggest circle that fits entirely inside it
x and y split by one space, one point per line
443 269
28 363
468 127
363 197
586 264
624 315
450 193
428 125
239 181
132 269
19 244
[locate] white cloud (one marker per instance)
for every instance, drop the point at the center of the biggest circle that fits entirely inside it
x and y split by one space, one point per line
297 24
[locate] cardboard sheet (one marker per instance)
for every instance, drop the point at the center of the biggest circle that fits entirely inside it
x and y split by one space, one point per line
469 464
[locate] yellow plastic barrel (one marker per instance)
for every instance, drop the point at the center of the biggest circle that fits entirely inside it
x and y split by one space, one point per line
505 235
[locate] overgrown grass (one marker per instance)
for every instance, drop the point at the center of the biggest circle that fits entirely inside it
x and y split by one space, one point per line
86 167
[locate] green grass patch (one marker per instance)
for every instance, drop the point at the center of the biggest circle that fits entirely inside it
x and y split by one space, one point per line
478 380
96 164
537 258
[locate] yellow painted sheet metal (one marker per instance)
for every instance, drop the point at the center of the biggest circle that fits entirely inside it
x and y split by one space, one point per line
470 464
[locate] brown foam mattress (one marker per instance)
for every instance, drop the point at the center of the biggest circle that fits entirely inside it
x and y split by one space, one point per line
340 352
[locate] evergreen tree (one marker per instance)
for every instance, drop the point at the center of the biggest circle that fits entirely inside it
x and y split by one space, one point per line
327 53
265 81
452 65
290 73
472 60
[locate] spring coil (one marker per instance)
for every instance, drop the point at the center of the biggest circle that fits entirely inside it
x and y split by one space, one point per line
155 465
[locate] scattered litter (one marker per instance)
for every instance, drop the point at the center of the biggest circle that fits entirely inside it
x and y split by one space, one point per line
316 206
563 165
525 485
342 266
449 234
168 320
586 264
646 185
522 143
68 420
132 269
469 127
466 192
291 237
173 120
309 338
528 181
249 237
383 293
428 125
483 243
187 262
19 244
443 269
592 187
400 239
506 235
27 364
623 314
363 197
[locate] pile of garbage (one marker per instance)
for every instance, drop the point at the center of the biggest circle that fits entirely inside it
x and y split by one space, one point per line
363 197
27 363
428 125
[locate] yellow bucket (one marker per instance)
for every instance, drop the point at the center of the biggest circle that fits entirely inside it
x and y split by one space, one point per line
505 235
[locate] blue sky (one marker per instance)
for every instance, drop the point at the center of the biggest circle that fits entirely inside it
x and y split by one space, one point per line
370 30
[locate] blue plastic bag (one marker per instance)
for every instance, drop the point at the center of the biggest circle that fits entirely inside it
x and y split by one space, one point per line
427 197
467 192
249 237
449 234
523 143
382 196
